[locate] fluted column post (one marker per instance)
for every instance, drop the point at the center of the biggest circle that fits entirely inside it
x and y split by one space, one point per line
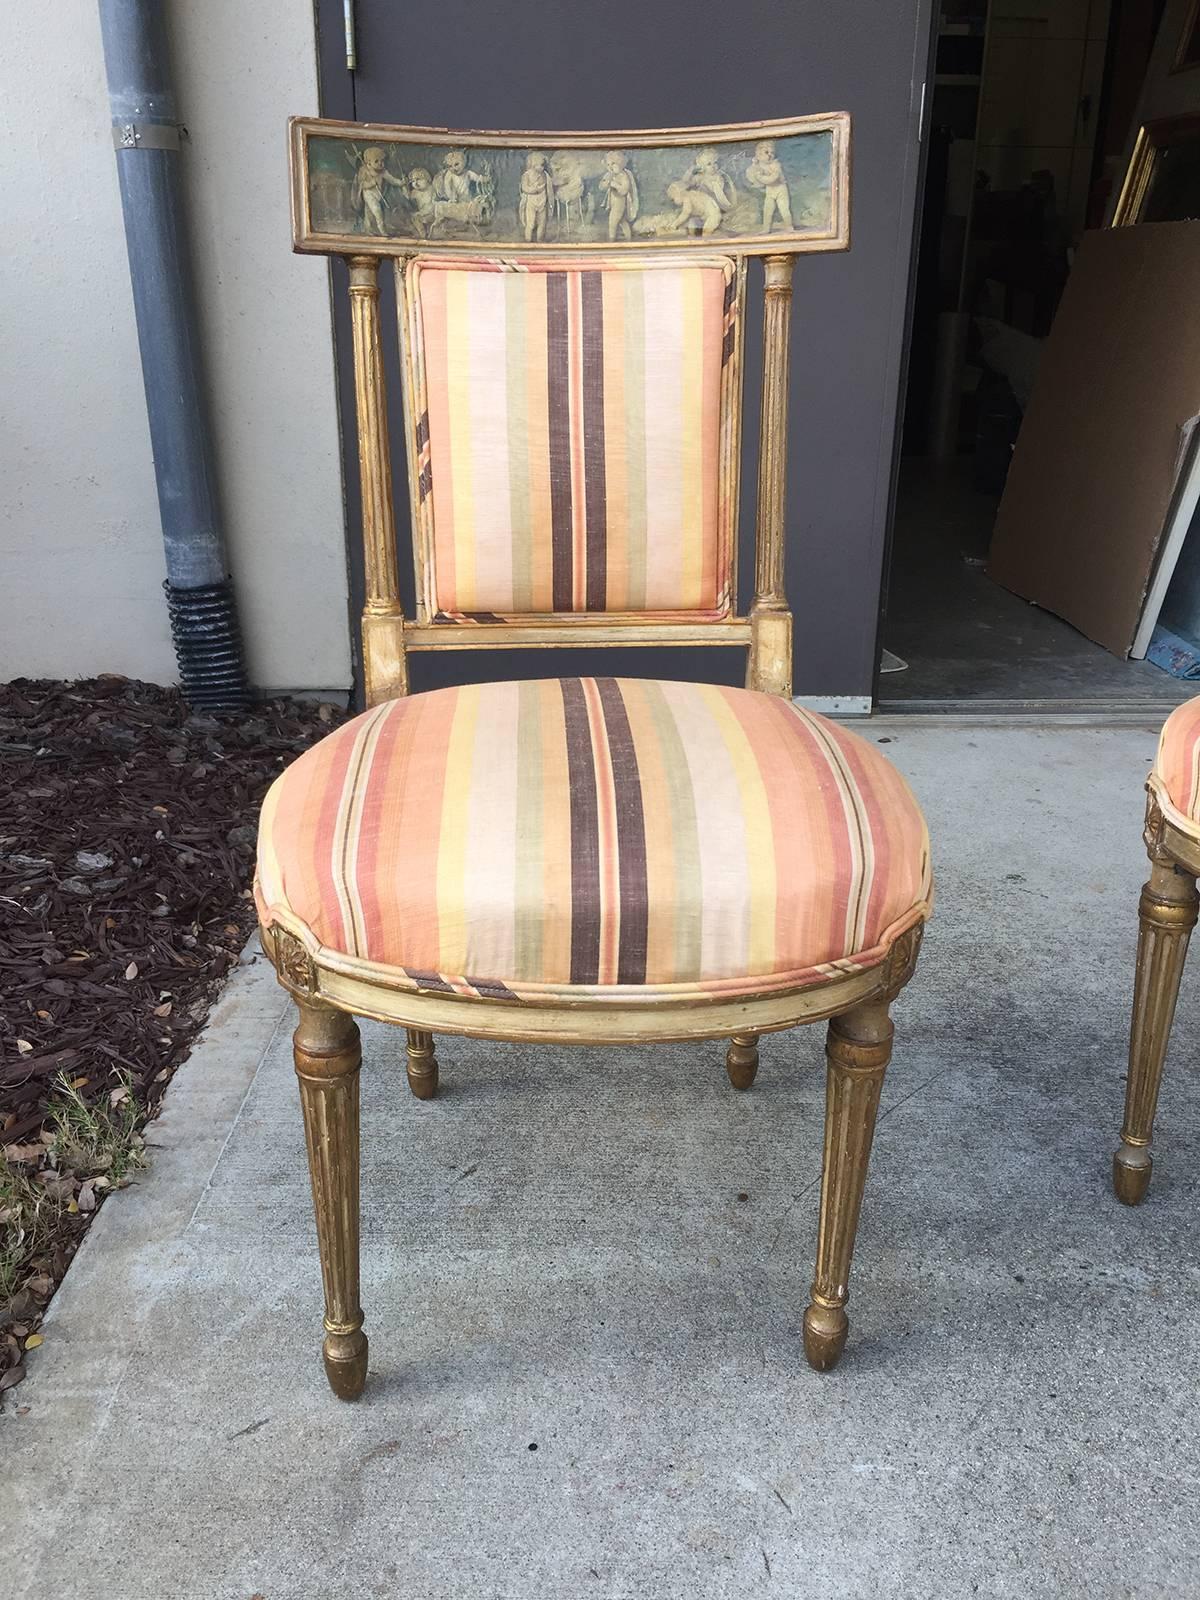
1167 913
385 666
858 1048
328 1056
770 665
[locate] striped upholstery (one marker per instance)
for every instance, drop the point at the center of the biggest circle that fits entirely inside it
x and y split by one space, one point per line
1175 778
610 838
567 442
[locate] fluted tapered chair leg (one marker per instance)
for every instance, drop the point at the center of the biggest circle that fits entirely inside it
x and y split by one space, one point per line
857 1049
422 1064
328 1057
741 1060
1168 915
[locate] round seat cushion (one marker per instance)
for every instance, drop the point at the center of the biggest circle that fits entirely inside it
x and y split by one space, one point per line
1175 778
603 837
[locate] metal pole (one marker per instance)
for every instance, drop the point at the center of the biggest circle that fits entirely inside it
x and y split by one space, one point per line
146 134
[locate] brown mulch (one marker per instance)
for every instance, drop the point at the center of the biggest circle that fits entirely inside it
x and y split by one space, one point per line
127 830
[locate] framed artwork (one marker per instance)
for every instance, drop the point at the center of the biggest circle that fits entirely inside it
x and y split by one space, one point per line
1187 52
1163 180
770 186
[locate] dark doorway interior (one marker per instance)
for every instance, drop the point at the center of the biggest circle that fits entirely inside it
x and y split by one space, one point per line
1031 108
968 642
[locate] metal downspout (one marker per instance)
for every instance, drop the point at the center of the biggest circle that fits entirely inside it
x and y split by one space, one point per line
146 134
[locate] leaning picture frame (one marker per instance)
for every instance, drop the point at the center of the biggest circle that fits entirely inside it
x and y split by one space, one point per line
1162 180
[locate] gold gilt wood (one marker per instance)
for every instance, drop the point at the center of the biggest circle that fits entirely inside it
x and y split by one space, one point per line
328 1057
384 665
330 988
355 986
422 1064
1167 915
1153 139
741 1060
294 965
1135 187
858 1048
770 665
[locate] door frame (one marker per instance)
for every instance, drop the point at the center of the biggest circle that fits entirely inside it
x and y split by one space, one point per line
916 166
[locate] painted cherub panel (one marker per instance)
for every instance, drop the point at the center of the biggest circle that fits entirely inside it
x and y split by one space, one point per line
779 187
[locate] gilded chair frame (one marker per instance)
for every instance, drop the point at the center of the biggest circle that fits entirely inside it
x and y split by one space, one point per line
1167 914
330 989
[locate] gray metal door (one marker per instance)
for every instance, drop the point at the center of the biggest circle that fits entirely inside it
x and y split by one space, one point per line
663 63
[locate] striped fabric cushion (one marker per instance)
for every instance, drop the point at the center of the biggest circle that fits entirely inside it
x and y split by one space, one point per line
1176 775
620 838
568 428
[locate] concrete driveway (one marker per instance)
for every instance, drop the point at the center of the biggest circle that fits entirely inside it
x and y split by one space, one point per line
586 1375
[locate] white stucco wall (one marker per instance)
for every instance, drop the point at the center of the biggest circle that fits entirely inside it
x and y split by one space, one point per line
81 563
240 72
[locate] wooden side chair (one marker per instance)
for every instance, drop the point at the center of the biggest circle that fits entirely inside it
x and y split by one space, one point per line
1167 916
581 860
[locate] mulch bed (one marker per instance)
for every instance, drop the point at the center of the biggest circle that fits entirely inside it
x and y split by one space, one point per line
127 830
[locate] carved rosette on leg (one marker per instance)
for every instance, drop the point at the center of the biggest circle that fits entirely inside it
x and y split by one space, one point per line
422 1064
858 1048
1167 914
741 1060
328 1057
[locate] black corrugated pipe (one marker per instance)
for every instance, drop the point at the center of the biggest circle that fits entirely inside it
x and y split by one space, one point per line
146 133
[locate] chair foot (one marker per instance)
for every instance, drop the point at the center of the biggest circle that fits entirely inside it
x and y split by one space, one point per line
825 1330
741 1060
345 1356
422 1064
1131 1174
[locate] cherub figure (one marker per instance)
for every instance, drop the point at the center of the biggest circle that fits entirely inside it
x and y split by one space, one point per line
619 186
461 197
371 181
695 206
456 182
765 172
705 173
419 189
537 196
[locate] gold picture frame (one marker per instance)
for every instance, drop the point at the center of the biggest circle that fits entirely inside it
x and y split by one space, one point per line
1153 140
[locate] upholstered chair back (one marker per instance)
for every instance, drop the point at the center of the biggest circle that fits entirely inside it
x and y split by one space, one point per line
573 429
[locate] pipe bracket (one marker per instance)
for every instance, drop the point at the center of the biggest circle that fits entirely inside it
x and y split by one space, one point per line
147 135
